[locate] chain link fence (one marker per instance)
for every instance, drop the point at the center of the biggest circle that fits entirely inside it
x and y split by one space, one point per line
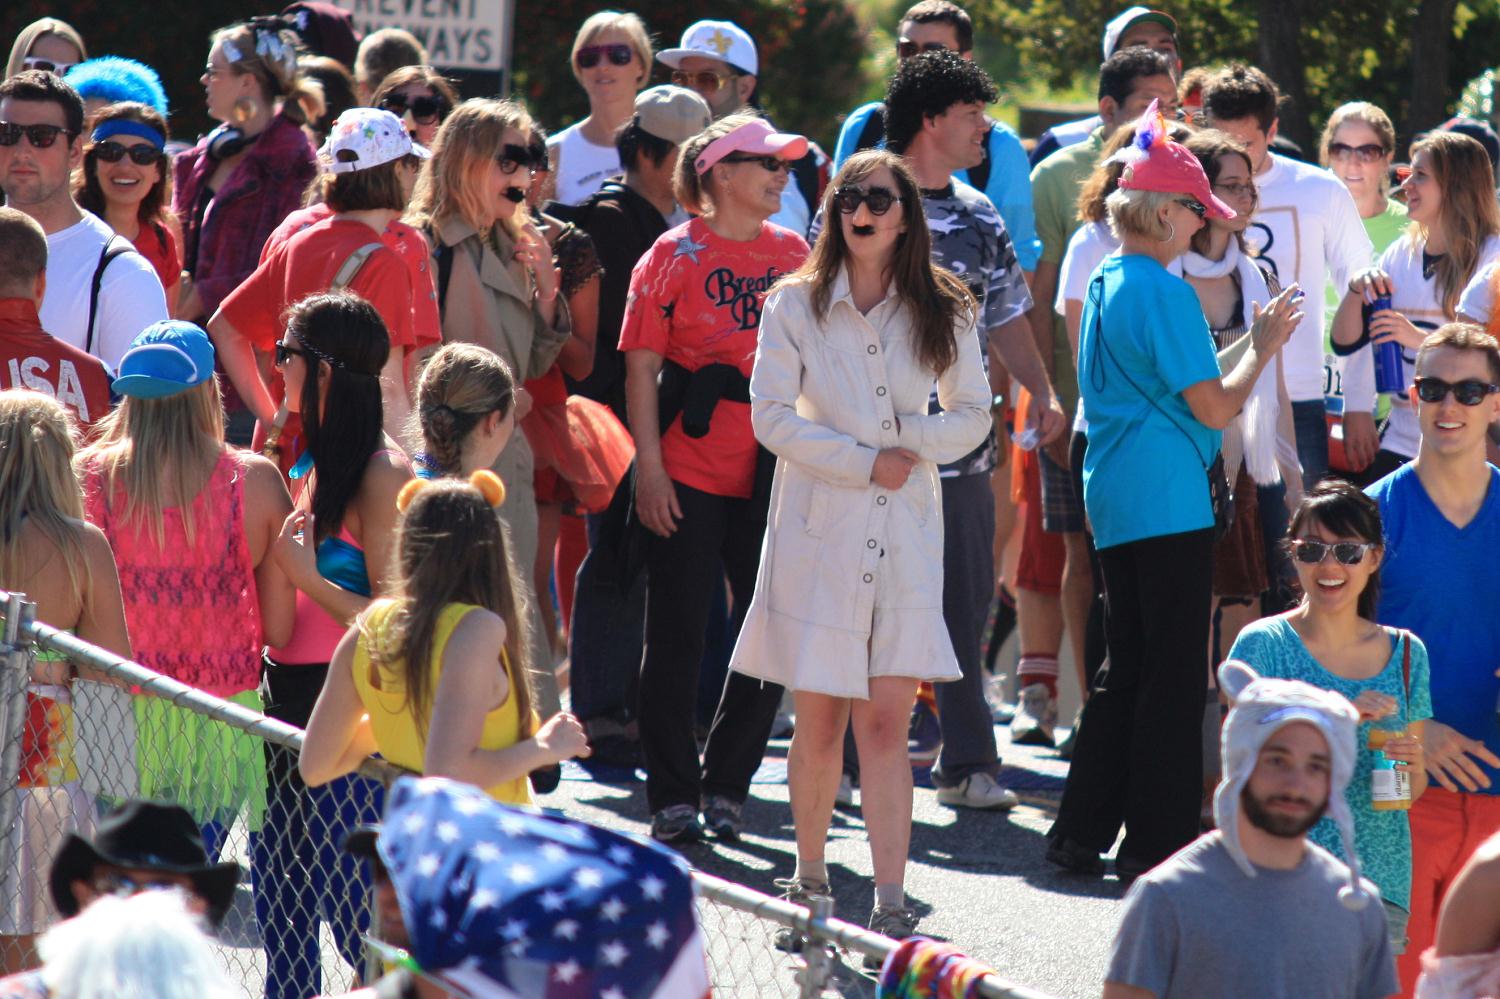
82 730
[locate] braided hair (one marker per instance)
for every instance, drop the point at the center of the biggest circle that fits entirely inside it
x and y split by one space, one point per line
461 384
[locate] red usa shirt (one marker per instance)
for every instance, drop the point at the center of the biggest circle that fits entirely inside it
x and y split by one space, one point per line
695 299
31 359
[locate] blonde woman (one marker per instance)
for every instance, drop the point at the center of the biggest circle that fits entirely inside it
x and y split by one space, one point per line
64 566
191 522
46 44
611 60
498 288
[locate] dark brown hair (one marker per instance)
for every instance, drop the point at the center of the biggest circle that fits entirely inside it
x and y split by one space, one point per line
1465 336
153 208
23 253
1208 145
1343 509
424 75
1469 213
943 12
450 548
938 300
379 187
1238 91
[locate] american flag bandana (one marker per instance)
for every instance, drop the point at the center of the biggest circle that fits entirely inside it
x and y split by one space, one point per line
502 902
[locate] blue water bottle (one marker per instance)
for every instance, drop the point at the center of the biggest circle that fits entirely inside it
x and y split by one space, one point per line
1390 367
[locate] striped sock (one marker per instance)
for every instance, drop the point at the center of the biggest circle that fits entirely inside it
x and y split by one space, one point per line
1037 668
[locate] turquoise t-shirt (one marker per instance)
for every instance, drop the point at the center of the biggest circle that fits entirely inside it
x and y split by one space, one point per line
1272 647
1143 339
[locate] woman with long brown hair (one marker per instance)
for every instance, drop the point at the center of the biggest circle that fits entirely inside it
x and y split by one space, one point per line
848 608
1453 235
415 678
420 96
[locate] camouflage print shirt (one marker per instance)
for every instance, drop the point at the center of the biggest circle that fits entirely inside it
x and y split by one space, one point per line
969 238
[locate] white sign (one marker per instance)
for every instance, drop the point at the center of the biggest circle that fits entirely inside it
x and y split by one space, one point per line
458 34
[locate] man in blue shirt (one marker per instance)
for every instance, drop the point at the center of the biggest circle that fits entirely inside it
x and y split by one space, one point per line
1003 175
1441 516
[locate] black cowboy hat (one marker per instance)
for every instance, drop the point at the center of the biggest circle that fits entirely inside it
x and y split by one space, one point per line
147 835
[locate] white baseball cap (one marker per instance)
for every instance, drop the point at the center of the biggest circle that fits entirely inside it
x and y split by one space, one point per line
1129 19
721 40
362 138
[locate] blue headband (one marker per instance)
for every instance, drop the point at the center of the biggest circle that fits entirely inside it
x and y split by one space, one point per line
124 126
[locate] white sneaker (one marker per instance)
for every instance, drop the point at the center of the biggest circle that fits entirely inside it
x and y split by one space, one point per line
1036 718
978 790
844 796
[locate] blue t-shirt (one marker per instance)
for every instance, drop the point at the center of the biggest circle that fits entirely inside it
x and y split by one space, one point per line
1144 471
1009 185
1382 839
1437 580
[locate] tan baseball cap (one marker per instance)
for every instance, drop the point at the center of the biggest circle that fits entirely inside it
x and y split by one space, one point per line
675 114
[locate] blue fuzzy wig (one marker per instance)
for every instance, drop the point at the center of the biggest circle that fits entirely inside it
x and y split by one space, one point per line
113 78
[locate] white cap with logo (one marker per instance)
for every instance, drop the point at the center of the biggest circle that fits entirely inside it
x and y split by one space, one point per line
722 40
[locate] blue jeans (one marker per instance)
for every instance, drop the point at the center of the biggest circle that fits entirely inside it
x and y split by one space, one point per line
1310 423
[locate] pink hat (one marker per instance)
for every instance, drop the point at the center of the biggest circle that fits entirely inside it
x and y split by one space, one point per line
757 138
1153 162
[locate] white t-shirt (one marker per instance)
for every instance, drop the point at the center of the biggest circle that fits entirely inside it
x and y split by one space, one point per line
584 167
1478 298
1087 248
1308 229
1416 298
130 296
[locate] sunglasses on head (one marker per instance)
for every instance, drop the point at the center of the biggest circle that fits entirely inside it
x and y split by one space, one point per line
705 79
906 48
1368 153
1469 392
513 157
1195 206
1310 552
879 200
618 55
424 110
111 151
40 136
770 163
46 65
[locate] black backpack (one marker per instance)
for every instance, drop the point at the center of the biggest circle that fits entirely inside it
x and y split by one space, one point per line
874 132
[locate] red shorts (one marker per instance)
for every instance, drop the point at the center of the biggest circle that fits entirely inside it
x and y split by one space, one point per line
1040 567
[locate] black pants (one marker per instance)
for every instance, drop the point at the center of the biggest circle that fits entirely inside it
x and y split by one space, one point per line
1139 756
1094 644
714 532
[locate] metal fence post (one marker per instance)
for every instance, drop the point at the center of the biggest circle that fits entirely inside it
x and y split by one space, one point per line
14 675
819 964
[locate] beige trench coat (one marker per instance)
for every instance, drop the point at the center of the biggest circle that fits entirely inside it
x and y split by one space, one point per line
489 302
851 575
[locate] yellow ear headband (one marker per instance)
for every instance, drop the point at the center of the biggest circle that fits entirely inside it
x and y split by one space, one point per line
484 480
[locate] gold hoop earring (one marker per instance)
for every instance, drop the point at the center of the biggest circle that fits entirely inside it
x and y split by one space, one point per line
244 109
1171 232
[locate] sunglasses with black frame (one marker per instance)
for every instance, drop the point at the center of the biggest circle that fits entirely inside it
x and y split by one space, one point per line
513 157
618 54
424 110
1469 392
110 151
879 200
41 136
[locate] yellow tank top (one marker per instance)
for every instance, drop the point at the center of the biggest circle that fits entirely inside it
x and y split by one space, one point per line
391 718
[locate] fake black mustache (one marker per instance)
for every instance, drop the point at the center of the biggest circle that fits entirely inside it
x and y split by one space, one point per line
516 194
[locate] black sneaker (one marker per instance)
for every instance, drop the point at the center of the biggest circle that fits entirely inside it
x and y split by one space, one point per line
1073 857
721 817
677 824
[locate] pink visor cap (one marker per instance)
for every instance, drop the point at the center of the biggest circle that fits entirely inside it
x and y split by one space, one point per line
757 138
1153 162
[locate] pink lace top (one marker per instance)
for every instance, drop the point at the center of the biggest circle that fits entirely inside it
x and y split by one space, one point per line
192 609
1459 976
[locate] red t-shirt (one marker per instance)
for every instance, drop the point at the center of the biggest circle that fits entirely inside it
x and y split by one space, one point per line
409 245
695 298
306 264
32 359
156 243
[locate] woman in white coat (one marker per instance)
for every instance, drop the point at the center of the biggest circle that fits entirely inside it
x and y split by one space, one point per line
848 605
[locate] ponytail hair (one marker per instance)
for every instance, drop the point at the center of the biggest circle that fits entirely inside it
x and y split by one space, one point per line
461 384
267 47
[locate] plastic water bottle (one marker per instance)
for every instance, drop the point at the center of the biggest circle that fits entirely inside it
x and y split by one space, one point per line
1390 789
1390 367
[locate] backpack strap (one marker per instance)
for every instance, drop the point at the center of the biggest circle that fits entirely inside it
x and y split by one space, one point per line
1406 664
351 267
117 246
442 254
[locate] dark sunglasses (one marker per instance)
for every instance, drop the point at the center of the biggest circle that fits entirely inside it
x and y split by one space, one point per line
1195 206
424 110
113 152
47 65
1314 552
40 136
771 163
1368 153
513 157
285 352
705 79
848 199
618 55
906 48
1469 392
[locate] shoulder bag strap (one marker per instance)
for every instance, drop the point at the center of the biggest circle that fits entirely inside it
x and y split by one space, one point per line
351 267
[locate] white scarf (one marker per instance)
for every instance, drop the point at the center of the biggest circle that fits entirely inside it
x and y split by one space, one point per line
1255 442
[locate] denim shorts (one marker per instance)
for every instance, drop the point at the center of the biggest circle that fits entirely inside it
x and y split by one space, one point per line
1395 922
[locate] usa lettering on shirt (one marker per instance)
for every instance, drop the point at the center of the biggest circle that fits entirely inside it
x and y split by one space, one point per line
63 384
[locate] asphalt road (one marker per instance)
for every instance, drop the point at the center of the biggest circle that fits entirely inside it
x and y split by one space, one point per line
978 879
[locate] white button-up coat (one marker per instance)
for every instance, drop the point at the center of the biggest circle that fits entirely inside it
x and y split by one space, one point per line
851 575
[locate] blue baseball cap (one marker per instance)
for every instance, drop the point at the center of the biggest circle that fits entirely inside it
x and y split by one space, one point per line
168 357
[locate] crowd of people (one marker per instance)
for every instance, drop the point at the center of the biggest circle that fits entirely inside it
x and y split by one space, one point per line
387 414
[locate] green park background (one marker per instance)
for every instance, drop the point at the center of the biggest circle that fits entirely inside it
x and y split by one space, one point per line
820 58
